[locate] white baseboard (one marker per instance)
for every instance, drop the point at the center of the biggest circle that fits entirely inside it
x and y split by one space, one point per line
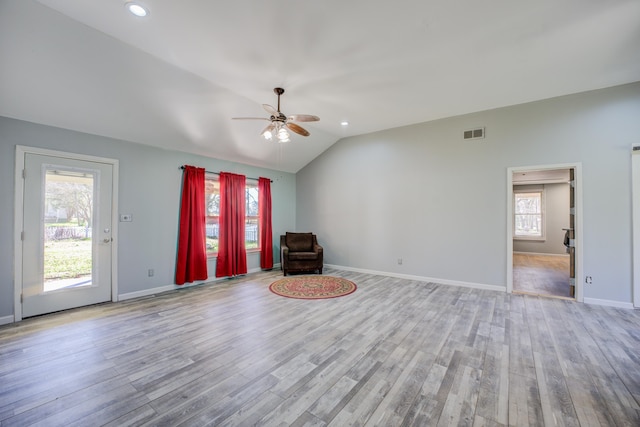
422 278
6 320
160 289
595 301
153 291
608 303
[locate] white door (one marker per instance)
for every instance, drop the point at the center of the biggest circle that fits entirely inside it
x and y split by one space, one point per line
67 233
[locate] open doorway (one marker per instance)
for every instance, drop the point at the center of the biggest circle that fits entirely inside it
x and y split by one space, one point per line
542 231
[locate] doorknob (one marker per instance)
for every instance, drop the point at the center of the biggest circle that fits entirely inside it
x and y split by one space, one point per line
107 240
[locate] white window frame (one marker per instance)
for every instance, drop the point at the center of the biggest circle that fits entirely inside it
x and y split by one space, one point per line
531 189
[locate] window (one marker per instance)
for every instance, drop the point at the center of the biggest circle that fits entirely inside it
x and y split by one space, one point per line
528 221
251 215
212 204
212 201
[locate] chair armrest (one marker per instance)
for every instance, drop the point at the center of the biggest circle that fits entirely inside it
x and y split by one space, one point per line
317 248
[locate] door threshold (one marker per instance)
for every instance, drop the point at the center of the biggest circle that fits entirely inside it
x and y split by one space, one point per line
533 294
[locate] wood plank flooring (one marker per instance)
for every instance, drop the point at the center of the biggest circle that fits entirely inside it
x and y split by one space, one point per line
394 353
541 274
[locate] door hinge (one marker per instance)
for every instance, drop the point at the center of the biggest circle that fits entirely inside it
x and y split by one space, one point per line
572 243
572 211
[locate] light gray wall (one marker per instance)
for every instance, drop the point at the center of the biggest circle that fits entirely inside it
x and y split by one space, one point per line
424 194
556 218
150 181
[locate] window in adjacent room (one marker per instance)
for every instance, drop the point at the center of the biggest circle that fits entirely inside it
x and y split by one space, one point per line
212 201
528 212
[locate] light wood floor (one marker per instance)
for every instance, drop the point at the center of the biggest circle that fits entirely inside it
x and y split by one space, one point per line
395 352
541 274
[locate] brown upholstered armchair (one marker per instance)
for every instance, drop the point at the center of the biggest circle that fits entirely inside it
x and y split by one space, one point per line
300 252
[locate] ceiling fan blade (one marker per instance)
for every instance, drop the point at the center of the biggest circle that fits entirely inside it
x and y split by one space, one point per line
249 118
269 109
298 129
303 118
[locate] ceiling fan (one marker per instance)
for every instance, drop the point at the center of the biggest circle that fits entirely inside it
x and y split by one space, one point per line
280 123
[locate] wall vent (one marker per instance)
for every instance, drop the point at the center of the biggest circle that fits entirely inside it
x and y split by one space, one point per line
473 133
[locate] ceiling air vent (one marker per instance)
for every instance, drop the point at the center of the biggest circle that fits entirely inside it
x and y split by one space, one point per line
474 133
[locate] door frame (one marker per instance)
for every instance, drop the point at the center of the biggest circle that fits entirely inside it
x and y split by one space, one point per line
577 167
21 151
635 222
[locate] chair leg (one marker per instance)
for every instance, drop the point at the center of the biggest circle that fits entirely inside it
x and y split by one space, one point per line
320 270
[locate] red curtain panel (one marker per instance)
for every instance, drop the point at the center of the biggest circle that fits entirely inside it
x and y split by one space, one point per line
264 219
232 256
191 264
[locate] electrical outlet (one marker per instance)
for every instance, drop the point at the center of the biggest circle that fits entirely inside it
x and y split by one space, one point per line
399 261
588 280
151 272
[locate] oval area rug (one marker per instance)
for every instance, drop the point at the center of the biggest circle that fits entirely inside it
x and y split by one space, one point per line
312 287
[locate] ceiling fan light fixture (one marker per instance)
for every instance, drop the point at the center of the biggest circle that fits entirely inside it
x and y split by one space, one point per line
283 135
267 135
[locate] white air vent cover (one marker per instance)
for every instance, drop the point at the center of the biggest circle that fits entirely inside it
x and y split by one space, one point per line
473 133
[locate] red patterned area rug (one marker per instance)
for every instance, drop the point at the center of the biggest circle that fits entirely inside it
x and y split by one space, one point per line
312 287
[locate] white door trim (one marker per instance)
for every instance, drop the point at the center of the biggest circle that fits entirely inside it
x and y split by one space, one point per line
577 167
18 223
635 200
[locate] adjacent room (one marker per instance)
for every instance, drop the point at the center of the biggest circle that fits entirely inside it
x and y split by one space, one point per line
331 213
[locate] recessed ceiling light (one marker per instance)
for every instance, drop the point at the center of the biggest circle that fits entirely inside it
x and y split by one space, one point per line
344 123
137 10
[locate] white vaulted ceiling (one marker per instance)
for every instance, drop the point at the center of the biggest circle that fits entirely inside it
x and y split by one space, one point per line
176 78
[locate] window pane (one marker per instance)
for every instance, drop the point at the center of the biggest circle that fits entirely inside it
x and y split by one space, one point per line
528 203
528 214
68 217
212 196
251 216
212 202
212 231
528 225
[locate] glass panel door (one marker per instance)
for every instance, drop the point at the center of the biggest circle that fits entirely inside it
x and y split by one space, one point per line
66 259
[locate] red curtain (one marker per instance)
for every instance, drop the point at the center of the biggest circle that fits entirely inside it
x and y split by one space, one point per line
264 219
232 256
192 247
